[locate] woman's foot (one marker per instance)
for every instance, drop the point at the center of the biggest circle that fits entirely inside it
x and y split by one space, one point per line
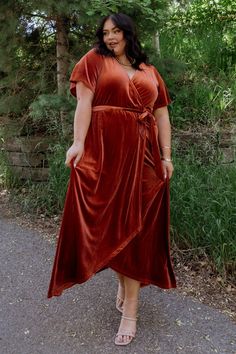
127 329
120 297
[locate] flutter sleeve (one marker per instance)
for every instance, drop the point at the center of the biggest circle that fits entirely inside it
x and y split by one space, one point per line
87 71
163 98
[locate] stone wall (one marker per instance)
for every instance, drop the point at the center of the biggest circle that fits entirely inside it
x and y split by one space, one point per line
26 156
209 145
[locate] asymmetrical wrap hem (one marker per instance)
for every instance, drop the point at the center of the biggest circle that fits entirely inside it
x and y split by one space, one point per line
116 212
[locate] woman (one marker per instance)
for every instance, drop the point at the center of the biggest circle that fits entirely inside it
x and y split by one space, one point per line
116 212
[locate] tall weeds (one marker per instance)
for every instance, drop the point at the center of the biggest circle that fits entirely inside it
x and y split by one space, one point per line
203 210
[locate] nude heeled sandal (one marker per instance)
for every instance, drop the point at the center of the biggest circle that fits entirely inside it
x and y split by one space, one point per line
126 333
119 301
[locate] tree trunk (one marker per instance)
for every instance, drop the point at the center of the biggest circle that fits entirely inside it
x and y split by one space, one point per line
62 48
62 53
156 43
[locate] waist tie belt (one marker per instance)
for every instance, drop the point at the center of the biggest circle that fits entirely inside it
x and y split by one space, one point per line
147 122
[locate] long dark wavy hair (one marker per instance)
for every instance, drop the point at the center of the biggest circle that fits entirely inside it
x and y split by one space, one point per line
133 48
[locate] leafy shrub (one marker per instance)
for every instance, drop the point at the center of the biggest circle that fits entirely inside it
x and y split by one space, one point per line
52 113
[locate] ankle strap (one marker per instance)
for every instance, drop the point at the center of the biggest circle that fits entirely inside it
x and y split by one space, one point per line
131 300
129 318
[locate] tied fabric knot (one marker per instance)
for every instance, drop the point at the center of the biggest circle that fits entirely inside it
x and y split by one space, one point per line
145 113
148 130
145 119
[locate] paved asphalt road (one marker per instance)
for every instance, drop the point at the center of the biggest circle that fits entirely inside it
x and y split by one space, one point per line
83 320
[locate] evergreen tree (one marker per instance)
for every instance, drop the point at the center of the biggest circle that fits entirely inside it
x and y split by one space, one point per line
39 44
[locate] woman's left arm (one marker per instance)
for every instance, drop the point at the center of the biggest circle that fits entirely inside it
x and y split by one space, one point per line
164 135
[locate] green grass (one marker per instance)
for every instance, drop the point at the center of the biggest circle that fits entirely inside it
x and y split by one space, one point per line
7 179
203 210
202 90
203 100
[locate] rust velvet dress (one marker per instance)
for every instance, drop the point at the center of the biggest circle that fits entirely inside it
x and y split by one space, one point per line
116 211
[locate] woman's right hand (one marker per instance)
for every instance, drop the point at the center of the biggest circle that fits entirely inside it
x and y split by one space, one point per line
74 152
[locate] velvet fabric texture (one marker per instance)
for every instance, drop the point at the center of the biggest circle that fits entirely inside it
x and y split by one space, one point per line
116 211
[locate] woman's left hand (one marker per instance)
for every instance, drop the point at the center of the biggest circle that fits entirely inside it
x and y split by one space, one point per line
167 168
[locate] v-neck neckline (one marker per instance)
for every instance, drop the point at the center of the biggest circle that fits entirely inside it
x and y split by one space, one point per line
126 72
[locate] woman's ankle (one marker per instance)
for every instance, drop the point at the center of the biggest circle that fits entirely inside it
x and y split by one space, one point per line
131 301
130 307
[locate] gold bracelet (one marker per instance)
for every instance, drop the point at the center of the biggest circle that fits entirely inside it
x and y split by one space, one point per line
167 160
166 147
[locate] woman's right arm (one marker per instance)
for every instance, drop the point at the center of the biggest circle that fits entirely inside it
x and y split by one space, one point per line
82 120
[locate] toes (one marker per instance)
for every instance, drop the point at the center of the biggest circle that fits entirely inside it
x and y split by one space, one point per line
120 339
125 339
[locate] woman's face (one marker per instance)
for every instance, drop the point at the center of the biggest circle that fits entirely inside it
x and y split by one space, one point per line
113 37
